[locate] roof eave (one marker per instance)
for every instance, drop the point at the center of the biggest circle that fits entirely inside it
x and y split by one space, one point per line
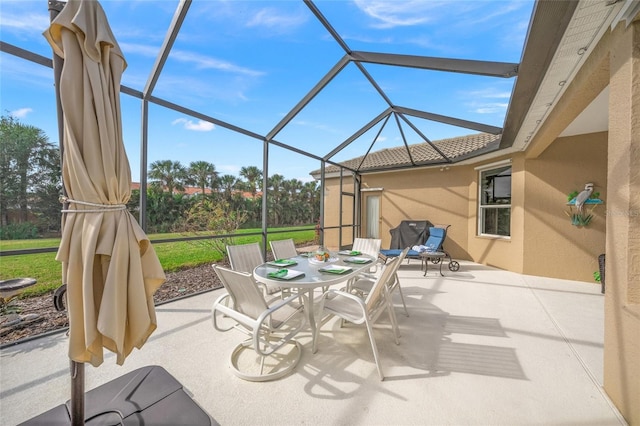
549 22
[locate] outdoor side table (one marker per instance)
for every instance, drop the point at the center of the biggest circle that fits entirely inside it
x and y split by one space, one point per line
426 256
10 289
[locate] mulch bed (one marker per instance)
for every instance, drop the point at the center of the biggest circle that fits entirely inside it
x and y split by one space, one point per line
48 319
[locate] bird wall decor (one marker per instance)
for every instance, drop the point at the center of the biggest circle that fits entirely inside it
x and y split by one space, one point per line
583 196
581 217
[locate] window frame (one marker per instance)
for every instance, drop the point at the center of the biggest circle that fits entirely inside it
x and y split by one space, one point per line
480 211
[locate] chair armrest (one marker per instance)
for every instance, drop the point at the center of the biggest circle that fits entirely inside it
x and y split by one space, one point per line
279 305
219 306
337 294
341 293
267 348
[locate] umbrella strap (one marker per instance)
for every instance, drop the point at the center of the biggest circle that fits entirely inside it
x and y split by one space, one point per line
101 207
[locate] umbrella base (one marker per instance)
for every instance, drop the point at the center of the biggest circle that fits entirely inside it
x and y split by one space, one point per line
148 395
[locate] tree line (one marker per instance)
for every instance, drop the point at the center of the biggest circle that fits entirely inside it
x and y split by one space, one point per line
170 208
30 187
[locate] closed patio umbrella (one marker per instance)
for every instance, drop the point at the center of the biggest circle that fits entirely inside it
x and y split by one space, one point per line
108 264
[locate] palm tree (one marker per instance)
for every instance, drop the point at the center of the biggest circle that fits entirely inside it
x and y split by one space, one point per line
202 174
253 175
168 174
227 185
274 201
311 192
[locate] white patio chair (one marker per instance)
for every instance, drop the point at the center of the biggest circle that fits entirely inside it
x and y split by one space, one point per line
364 285
270 327
354 309
371 247
283 249
245 258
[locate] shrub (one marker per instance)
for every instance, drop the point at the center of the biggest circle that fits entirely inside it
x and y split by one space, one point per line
19 231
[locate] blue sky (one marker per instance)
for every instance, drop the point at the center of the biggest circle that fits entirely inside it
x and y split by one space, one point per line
248 63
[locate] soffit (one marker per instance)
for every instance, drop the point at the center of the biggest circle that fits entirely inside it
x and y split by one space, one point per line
588 24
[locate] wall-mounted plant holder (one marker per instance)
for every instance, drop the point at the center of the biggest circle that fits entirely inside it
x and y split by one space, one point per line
582 204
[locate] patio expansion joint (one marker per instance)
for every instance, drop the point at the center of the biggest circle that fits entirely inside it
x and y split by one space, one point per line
583 364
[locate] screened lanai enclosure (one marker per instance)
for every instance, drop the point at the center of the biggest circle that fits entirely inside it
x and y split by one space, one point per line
295 87
450 112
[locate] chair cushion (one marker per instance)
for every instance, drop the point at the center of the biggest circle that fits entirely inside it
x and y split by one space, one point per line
396 253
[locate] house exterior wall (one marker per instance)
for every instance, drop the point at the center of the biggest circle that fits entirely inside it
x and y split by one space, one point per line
552 246
543 241
622 297
438 196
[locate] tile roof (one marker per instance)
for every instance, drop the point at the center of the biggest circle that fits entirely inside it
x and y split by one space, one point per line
422 153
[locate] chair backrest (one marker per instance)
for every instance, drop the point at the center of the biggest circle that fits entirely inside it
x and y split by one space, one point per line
370 246
436 238
283 249
394 280
376 294
245 257
246 296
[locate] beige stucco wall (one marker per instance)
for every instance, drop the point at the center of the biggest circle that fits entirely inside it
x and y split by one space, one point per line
622 298
553 247
438 196
543 242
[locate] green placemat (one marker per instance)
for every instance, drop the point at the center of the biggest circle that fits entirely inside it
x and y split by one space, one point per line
335 269
283 262
278 274
357 260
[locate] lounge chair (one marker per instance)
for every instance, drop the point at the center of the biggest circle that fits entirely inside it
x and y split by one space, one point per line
407 234
433 244
270 327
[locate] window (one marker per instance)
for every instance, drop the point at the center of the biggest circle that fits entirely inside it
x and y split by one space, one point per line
494 208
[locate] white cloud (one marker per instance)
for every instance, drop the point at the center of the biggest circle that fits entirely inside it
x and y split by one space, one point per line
206 62
200 61
27 22
21 113
488 93
490 108
200 126
228 169
140 49
389 14
271 18
462 14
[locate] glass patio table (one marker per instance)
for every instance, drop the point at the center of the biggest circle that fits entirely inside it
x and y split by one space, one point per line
311 276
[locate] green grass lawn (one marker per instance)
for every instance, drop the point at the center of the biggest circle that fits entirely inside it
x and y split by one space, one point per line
173 256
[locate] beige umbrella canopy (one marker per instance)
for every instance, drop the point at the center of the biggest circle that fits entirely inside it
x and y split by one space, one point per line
108 264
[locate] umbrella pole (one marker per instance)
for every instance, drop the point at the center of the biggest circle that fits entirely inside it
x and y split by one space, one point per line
76 368
77 393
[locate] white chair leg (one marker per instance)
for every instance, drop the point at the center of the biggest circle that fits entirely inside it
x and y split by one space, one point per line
394 322
406 312
375 349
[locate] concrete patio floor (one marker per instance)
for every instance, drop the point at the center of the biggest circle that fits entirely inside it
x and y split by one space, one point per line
481 346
